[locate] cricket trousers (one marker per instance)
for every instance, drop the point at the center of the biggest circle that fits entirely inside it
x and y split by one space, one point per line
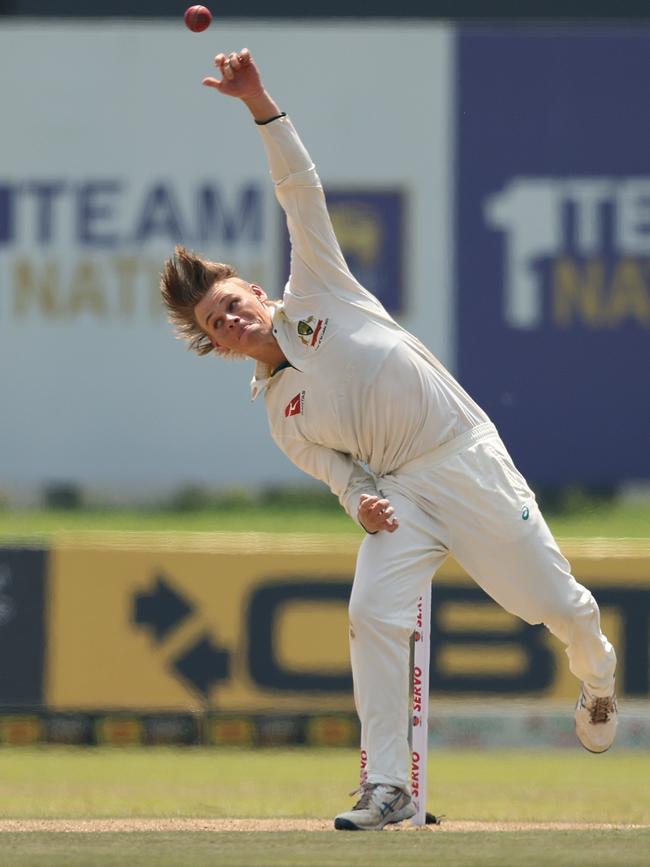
466 499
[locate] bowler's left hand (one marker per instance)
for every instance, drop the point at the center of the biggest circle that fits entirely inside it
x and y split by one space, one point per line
376 513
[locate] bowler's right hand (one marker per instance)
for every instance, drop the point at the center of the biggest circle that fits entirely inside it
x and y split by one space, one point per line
240 76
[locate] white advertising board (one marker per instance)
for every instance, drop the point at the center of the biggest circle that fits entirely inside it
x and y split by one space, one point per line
111 153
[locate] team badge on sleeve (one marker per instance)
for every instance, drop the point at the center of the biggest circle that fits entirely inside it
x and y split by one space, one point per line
311 331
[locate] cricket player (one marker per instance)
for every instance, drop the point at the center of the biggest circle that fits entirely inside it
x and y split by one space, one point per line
356 401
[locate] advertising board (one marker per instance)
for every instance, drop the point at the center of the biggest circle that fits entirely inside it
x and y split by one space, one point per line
221 625
553 245
113 154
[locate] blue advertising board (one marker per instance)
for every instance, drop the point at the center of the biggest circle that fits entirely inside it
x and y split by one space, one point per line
370 228
553 245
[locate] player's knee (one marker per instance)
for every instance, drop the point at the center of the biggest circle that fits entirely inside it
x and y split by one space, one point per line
573 610
367 614
360 610
367 607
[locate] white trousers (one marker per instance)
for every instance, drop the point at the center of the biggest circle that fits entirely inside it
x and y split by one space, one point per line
466 499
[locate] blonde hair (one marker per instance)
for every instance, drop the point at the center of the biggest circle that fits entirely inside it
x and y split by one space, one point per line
185 280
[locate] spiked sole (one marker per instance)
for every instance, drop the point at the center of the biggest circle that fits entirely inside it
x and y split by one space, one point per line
345 825
341 824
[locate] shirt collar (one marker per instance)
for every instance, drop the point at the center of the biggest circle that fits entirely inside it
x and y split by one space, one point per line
261 379
263 373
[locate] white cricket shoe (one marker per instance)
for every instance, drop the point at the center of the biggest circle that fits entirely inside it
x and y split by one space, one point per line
378 805
596 721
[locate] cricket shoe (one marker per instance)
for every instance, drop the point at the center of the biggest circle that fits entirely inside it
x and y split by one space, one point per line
596 720
378 805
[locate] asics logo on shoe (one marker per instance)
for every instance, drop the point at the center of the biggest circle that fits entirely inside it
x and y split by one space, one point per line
387 806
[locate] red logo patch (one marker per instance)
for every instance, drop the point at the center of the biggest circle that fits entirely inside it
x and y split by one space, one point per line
316 332
294 407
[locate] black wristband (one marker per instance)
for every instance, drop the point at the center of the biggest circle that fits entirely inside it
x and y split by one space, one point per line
271 119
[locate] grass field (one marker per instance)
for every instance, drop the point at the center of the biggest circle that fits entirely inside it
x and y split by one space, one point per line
609 519
586 848
563 787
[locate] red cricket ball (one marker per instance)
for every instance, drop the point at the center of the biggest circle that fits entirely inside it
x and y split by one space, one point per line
197 18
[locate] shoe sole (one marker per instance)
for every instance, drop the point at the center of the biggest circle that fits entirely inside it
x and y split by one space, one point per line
594 752
347 825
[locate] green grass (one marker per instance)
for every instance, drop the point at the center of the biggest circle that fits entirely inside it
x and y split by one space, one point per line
562 786
521 849
19 524
612 519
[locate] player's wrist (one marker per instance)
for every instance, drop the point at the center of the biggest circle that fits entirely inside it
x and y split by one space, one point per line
271 119
251 98
261 106
363 527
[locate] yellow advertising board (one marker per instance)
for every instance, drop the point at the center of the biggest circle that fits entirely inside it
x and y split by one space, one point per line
249 623
243 627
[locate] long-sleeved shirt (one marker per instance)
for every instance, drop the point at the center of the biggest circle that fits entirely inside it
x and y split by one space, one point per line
362 396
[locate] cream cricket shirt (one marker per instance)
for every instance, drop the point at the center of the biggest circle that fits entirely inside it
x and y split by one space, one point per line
363 396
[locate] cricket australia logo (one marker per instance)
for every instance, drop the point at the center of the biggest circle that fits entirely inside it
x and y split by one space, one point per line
311 331
295 405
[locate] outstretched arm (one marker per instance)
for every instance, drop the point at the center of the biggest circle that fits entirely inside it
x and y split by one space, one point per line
317 263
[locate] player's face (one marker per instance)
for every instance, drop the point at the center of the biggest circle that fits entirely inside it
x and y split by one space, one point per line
237 318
